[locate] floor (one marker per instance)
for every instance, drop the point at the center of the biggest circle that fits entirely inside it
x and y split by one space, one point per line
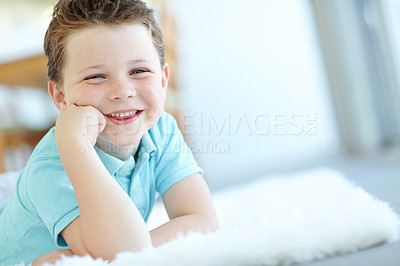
382 179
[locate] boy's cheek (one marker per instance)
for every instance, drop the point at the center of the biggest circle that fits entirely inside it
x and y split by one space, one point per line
80 101
70 99
82 96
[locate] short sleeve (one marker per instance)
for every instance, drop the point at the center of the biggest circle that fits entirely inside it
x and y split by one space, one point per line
52 196
176 160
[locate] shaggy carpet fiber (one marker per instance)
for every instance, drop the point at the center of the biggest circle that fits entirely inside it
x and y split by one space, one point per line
277 220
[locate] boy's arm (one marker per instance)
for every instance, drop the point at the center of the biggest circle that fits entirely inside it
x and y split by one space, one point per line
109 221
189 207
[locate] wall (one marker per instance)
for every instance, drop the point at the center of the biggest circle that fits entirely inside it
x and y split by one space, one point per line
254 92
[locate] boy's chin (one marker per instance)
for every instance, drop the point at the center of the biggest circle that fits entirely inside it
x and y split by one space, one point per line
117 148
119 141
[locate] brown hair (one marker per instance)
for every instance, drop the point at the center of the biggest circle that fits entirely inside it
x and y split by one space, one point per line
70 16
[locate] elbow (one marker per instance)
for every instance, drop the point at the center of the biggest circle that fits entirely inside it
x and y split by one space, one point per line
210 223
213 224
111 254
112 249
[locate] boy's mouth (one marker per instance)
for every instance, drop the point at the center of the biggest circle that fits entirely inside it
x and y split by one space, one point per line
124 117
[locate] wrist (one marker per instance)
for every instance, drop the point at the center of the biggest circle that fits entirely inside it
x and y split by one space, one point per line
73 146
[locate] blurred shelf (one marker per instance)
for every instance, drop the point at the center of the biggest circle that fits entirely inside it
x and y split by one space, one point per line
29 72
17 137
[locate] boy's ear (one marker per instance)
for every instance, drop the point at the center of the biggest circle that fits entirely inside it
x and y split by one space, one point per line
164 79
56 93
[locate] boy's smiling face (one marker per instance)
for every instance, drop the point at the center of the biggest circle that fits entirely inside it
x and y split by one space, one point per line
116 69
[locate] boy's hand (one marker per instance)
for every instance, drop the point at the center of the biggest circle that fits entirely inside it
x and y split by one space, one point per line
81 123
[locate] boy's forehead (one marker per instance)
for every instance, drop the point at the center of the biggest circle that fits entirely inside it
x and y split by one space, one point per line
98 43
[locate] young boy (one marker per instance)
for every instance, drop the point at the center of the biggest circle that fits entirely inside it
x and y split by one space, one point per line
91 182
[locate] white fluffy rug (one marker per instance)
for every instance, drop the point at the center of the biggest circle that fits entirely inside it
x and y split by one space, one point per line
279 220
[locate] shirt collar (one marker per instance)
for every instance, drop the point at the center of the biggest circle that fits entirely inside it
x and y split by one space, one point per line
113 164
147 144
110 162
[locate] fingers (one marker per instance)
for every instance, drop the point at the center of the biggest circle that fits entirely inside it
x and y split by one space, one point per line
96 117
102 123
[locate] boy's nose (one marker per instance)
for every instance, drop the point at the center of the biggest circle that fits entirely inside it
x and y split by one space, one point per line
122 91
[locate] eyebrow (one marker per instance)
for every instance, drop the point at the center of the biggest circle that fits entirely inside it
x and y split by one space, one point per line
94 67
139 61
90 68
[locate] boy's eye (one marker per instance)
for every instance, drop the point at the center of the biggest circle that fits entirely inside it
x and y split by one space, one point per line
98 76
138 71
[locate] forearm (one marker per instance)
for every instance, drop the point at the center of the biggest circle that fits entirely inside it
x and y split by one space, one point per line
109 221
182 225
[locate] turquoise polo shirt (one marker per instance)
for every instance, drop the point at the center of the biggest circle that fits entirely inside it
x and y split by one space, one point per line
45 203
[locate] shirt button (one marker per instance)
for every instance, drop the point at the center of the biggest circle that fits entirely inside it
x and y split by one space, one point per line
126 170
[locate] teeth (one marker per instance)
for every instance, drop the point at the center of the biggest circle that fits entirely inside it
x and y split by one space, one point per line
123 114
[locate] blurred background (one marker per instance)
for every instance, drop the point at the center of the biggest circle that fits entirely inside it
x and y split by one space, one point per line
258 87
